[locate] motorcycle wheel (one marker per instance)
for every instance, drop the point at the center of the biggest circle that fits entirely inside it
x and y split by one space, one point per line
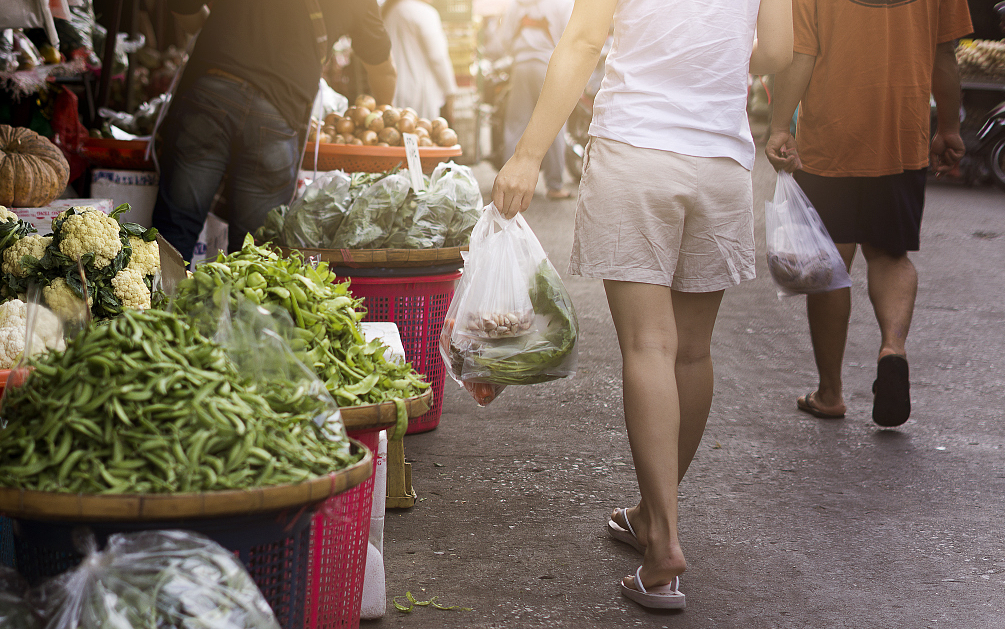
996 162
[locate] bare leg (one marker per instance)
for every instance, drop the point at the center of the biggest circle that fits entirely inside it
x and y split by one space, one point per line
695 314
646 320
893 288
828 315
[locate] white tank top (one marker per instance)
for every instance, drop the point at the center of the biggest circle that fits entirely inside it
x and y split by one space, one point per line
676 78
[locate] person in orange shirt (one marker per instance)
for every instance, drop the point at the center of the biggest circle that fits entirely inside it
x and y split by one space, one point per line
862 74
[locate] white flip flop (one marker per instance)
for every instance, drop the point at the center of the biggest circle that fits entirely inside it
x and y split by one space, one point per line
666 596
622 535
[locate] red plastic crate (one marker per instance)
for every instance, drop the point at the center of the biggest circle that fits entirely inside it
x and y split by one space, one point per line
340 533
418 306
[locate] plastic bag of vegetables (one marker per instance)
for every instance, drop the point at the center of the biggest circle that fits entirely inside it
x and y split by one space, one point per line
373 213
443 214
463 196
314 218
511 320
15 612
165 579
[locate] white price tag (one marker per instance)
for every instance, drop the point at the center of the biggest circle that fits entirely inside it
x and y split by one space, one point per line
411 142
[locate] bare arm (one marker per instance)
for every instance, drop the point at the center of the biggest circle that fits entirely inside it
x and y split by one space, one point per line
571 64
947 146
383 79
790 85
773 46
192 24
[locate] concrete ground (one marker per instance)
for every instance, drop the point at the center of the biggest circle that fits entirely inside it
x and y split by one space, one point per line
787 520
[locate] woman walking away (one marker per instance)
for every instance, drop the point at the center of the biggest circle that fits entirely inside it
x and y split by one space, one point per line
664 217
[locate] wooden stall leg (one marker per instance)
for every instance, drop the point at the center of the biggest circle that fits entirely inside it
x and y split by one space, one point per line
400 494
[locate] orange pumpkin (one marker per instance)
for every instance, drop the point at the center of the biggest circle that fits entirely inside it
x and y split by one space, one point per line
33 170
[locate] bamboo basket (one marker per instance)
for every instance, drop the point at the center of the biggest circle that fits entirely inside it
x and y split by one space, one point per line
44 505
375 417
383 258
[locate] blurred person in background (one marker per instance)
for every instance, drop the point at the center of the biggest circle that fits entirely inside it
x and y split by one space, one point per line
528 33
242 107
419 47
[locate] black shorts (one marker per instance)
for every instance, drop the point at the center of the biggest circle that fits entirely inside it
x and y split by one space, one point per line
884 212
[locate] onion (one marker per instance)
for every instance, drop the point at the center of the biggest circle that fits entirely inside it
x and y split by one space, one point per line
345 126
390 135
424 123
359 116
369 137
391 117
375 122
447 137
365 100
406 124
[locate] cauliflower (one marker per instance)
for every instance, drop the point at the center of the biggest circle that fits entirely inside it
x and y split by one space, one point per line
131 290
91 231
146 256
12 346
64 302
31 245
7 215
14 314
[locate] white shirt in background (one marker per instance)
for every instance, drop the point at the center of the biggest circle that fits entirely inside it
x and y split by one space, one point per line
421 56
530 43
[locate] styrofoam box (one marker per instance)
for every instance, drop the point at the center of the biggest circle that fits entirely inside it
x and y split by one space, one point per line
138 188
388 333
41 217
212 239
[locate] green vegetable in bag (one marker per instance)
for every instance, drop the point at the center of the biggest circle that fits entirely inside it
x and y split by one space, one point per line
155 579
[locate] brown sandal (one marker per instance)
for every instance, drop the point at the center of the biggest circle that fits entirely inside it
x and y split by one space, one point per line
807 404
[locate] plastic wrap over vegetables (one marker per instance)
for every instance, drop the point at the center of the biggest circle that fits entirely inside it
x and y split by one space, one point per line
174 579
511 320
15 612
460 190
372 214
313 219
379 211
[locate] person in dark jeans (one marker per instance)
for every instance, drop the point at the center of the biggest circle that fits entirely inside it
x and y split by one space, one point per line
243 104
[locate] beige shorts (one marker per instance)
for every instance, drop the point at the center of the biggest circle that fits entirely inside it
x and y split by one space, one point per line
657 217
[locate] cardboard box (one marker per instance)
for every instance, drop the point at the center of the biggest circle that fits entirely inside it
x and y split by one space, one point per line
41 217
138 188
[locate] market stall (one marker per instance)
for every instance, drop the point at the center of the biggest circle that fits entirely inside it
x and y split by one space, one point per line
164 401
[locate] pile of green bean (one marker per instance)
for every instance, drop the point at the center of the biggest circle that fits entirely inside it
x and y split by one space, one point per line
146 404
353 370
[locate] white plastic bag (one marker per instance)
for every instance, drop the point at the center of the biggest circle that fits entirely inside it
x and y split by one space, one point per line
802 258
511 321
155 579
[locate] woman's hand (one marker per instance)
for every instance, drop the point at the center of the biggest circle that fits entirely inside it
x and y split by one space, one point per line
514 186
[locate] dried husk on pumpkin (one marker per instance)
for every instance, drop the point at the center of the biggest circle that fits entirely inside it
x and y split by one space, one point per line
33 170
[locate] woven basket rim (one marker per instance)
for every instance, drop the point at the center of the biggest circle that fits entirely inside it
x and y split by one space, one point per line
45 505
384 415
389 258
